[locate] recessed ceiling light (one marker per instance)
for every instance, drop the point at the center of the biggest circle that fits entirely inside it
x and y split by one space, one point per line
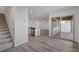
31 11
39 14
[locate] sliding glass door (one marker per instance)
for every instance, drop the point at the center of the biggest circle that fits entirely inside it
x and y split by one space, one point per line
66 28
62 27
56 27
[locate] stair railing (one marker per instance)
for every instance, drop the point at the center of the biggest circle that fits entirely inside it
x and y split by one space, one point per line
10 23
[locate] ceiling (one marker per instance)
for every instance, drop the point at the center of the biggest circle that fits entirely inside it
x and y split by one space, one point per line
39 12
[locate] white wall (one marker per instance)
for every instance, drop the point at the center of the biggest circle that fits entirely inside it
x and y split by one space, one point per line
44 24
1 9
78 25
63 12
21 25
10 12
32 23
17 19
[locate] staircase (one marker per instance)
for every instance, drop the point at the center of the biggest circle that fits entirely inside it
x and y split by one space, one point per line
5 37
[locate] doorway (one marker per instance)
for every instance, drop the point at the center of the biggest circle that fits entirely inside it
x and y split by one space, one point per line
62 28
66 25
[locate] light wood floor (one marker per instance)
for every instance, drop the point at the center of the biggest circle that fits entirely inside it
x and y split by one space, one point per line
67 35
46 44
64 36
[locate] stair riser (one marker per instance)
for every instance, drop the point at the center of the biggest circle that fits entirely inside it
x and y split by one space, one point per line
2 16
2 41
6 46
2 20
4 33
3 24
4 29
4 36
